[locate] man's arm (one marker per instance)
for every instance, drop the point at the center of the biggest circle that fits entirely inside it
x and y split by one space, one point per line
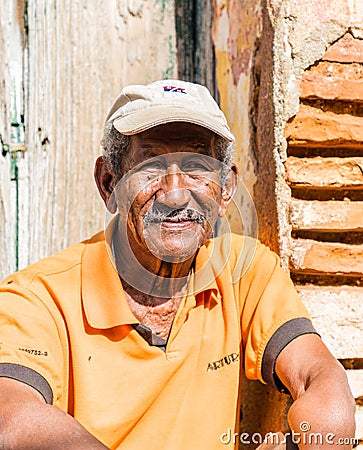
28 422
323 402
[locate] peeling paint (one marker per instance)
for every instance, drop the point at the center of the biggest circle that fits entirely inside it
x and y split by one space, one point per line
135 7
171 69
164 4
236 29
241 37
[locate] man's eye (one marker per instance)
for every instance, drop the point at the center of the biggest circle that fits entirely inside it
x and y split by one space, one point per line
195 166
152 165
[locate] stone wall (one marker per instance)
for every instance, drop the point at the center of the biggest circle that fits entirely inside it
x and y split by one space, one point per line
289 76
310 165
324 170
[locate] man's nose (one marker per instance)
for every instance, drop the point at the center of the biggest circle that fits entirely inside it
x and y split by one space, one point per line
174 190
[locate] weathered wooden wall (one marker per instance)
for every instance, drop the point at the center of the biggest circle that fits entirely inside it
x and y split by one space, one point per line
71 59
195 46
11 56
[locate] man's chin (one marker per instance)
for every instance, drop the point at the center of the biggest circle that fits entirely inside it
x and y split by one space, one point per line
174 247
175 256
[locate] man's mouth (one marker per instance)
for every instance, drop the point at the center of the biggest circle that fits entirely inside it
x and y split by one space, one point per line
179 216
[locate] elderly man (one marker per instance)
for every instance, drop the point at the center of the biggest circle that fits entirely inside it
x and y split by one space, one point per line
136 338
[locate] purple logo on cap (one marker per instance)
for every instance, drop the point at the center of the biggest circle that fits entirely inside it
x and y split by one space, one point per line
174 89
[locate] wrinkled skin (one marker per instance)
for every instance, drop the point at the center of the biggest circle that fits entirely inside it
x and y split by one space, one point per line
174 203
170 195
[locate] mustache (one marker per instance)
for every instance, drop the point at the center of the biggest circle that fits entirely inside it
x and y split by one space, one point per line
158 215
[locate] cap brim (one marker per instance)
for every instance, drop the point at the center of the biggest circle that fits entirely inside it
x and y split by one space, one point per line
144 119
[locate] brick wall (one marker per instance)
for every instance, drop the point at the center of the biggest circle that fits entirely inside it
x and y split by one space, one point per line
324 169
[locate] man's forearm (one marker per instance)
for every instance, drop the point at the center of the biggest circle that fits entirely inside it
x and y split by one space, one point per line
28 423
323 416
37 426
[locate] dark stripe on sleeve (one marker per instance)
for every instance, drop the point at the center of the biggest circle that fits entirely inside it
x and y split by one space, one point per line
279 340
29 377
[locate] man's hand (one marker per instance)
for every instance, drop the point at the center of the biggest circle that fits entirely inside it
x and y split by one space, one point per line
27 422
322 415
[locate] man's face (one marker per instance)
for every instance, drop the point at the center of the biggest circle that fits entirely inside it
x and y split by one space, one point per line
171 193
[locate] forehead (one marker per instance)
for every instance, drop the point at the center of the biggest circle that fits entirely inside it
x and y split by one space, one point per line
178 132
174 138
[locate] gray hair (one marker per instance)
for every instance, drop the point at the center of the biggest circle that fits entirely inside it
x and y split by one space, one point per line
115 147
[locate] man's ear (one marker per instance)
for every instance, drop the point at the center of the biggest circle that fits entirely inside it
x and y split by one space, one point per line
228 190
106 182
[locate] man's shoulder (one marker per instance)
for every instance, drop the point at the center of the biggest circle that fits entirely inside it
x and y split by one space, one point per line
59 264
232 247
242 254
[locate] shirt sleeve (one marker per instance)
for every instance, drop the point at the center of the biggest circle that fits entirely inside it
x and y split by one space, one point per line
272 315
30 343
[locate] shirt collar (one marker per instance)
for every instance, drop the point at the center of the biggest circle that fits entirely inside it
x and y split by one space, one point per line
204 274
103 297
104 301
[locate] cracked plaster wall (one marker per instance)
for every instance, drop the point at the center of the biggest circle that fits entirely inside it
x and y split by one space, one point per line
262 49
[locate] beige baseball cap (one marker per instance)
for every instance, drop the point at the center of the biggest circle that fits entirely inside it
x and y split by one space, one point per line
140 107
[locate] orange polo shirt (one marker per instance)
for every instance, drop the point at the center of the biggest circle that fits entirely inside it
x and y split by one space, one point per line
66 329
